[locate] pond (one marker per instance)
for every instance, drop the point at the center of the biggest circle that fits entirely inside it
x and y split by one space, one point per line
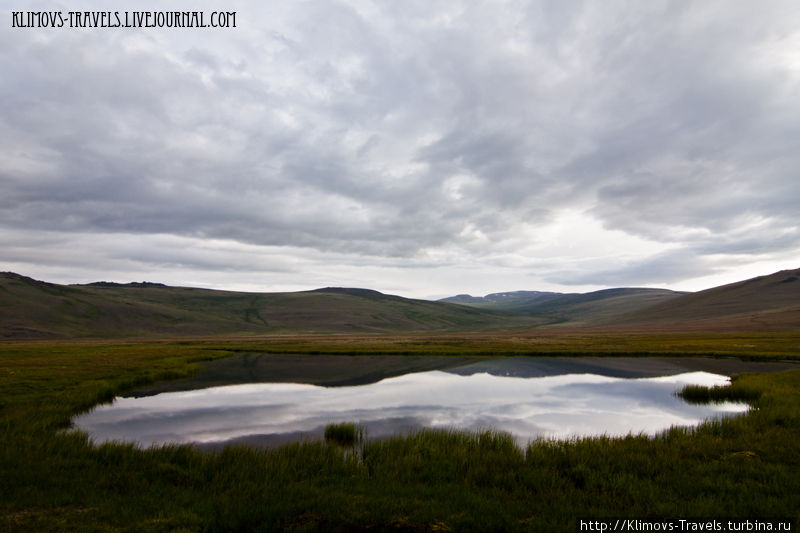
281 399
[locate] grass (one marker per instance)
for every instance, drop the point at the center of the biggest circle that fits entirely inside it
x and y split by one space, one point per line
745 345
347 434
744 466
698 394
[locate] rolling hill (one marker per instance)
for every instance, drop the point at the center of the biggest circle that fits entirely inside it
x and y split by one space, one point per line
763 303
37 309
31 309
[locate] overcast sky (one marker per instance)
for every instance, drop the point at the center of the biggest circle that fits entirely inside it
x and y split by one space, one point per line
421 148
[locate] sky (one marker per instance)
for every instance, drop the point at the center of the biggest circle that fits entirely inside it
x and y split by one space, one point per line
420 148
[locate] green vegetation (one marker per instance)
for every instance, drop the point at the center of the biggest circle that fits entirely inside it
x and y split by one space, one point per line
344 434
745 466
697 394
745 345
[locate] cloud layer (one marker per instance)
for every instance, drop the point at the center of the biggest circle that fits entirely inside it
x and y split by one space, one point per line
527 143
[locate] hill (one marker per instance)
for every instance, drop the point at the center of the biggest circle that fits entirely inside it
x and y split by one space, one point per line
32 309
573 309
36 309
763 303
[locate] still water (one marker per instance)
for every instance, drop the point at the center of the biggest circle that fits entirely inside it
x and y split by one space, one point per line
525 397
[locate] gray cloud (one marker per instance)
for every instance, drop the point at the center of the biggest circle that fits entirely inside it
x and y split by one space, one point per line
665 268
400 131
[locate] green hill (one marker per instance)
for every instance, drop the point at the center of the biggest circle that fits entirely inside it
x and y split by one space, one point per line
761 303
36 309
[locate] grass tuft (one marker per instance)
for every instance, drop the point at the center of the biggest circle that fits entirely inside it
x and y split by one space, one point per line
698 394
346 434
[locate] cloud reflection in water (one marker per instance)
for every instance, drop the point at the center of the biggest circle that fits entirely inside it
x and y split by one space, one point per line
554 406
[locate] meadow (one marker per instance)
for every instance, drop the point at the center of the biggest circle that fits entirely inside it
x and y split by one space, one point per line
55 480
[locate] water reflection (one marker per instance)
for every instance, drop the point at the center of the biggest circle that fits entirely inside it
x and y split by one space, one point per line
272 413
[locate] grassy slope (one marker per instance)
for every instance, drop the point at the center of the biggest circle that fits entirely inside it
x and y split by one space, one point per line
34 309
741 467
765 302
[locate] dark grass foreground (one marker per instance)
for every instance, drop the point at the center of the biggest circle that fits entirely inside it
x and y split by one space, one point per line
747 466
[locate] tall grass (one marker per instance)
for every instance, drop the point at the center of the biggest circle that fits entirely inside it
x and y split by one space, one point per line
699 394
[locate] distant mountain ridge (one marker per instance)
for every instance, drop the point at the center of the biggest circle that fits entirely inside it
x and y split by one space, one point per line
770 302
139 284
573 308
500 296
33 309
